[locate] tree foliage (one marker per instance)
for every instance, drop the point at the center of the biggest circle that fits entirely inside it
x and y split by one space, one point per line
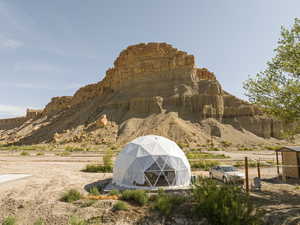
277 89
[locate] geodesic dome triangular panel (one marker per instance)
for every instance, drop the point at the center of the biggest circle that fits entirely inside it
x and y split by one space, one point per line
150 162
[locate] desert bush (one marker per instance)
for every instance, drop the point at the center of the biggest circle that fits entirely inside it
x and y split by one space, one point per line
71 196
24 153
204 164
39 221
120 205
94 190
167 203
223 204
40 154
95 168
10 220
87 203
74 220
139 197
183 145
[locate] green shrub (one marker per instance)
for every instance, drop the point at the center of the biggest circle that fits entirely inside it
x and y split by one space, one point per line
95 168
24 153
94 191
212 148
74 220
39 221
71 196
114 192
223 204
75 149
204 164
167 203
120 205
137 196
10 220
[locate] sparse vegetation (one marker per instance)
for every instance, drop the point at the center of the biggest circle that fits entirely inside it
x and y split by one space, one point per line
74 220
139 197
10 220
273 148
204 164
226 144
71 196
201 155
87 203
24 153
63 154
76 149
96 168
223 204
40 154
120 205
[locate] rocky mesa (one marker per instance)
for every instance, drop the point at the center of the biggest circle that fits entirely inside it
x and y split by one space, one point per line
152 88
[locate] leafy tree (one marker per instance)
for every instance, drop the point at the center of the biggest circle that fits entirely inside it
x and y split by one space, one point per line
277 89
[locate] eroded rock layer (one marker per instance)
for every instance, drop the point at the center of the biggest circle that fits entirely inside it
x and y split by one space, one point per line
149 82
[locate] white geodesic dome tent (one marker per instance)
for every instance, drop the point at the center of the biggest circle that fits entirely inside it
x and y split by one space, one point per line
151 161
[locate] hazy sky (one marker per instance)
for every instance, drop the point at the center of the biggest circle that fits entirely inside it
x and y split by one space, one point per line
51 48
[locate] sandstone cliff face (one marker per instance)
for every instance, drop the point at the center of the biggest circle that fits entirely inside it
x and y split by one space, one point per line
155 82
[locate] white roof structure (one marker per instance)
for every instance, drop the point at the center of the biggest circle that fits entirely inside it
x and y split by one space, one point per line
150 162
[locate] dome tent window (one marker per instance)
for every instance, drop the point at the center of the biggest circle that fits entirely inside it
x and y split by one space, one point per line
150 162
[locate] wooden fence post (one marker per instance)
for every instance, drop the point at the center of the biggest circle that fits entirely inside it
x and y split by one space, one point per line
277 163
258 169
246 174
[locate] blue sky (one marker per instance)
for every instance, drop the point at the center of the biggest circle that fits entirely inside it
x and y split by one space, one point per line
51 48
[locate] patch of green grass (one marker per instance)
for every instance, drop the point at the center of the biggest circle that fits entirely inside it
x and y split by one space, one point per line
183 145
139 197
120 205
71 196
250 164
39 221
10 220
74 220
114 192
193 155
204 164
273 148
96 168
24 153
94 191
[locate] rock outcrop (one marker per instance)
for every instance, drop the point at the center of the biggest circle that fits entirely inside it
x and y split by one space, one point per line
155 82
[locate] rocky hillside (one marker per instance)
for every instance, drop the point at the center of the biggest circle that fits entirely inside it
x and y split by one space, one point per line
153 88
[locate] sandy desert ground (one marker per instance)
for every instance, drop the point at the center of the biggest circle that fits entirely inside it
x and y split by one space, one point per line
38 196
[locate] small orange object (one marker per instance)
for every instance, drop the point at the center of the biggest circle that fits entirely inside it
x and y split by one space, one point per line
102 197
